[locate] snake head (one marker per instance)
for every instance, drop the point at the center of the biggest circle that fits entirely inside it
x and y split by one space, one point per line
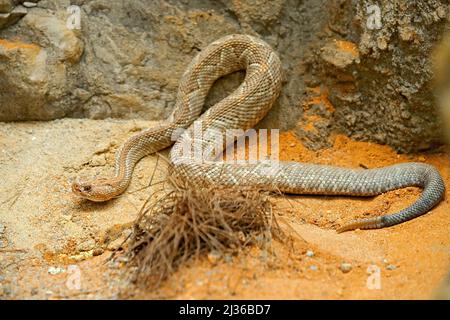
98 190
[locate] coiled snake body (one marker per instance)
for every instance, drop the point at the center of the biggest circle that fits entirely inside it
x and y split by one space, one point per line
242 109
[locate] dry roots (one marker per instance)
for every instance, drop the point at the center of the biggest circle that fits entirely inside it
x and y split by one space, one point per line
192 220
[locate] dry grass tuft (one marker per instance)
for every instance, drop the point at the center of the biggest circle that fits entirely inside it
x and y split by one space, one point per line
186 221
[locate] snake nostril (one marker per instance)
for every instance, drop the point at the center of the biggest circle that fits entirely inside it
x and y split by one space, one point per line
75 187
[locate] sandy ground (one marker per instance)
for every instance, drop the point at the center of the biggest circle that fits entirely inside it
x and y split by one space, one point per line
55 246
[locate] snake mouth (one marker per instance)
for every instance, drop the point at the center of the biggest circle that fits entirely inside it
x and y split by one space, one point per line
81 190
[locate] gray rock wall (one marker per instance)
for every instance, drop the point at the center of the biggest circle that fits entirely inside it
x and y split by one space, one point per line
133 53
341 74
379 73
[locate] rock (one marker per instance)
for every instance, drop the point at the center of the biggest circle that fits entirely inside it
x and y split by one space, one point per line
313 268
26 74
35 74
387 92
67 46
124 66
214 257
98 160
391 267
340 53
382 43
82 94
97 252
345 267
10 18
310 253
6 6
28 4
2 229
55 270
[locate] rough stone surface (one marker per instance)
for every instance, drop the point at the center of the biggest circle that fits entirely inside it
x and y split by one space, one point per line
345 267
28 4
379 80
135 52
12 16
6 6
125 61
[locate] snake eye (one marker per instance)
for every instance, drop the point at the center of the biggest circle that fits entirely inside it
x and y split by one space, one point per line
87 188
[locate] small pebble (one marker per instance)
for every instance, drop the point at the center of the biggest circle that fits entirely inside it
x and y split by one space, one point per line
346 267
103 148
292 145
391 267
97 252
28 4
56 270
382 43
313 268
98 160
310 253
441 12
214 257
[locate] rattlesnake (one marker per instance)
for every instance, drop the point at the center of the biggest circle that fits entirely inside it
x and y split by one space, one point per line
242 109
